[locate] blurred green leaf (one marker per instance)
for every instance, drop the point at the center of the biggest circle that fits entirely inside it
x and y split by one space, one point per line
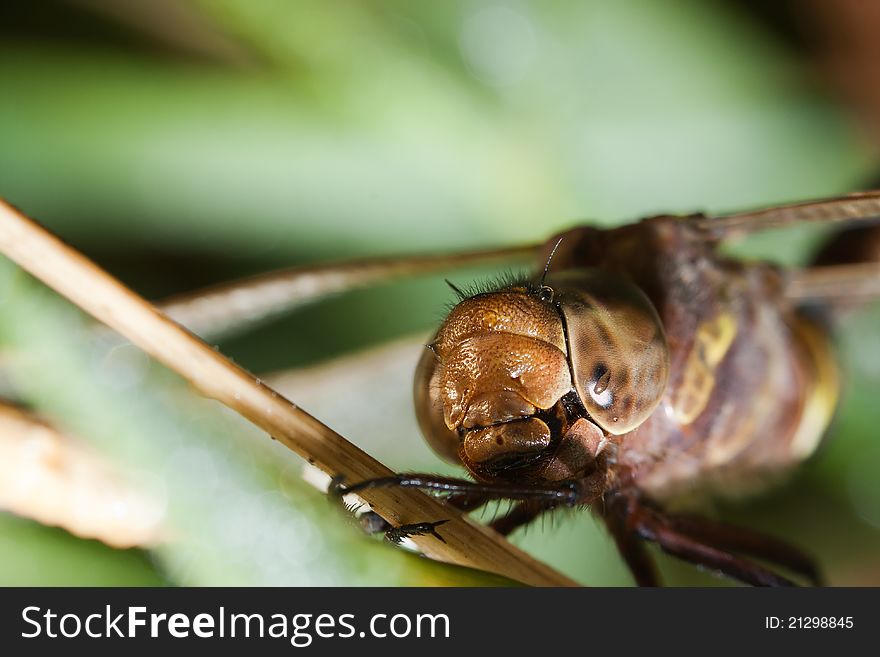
360 127
34 555
238 511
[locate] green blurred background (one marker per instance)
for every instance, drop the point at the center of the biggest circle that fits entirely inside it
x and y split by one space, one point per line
185 142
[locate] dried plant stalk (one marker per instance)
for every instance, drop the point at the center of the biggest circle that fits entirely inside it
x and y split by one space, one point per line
57 480
69 272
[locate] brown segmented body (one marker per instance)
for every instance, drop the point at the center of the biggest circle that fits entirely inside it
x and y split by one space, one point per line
752 384
654 365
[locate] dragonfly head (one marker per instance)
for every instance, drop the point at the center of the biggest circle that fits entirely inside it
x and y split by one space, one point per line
529 380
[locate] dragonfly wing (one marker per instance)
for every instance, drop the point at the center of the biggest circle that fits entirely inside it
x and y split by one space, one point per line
856 207
232 307
845 284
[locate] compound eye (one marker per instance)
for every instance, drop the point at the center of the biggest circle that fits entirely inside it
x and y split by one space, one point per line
618 350
599 386
429 409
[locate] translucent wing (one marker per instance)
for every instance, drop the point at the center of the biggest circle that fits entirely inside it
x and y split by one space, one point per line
847 271
231 307
840 285
860 206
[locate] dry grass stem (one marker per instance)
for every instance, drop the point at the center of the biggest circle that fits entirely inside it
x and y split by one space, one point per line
89 287
53 478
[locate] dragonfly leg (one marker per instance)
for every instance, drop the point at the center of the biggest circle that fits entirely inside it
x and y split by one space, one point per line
397 534
750 543
373 523
467 501
633 550
467 495
680 540
684 547
569 492
522 514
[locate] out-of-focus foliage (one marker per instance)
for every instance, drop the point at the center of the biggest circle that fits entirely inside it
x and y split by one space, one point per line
190 142
238 511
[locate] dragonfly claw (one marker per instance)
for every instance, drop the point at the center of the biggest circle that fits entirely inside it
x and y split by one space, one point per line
397 534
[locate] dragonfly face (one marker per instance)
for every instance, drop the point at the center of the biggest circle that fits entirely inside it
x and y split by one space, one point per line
526 383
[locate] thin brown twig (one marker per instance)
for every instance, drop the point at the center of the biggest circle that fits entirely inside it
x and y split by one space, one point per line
70 273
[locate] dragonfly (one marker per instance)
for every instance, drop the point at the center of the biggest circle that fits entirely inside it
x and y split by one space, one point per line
645 370
636 367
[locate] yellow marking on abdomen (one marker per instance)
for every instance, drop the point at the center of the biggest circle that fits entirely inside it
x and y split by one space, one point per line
711 343
823 389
